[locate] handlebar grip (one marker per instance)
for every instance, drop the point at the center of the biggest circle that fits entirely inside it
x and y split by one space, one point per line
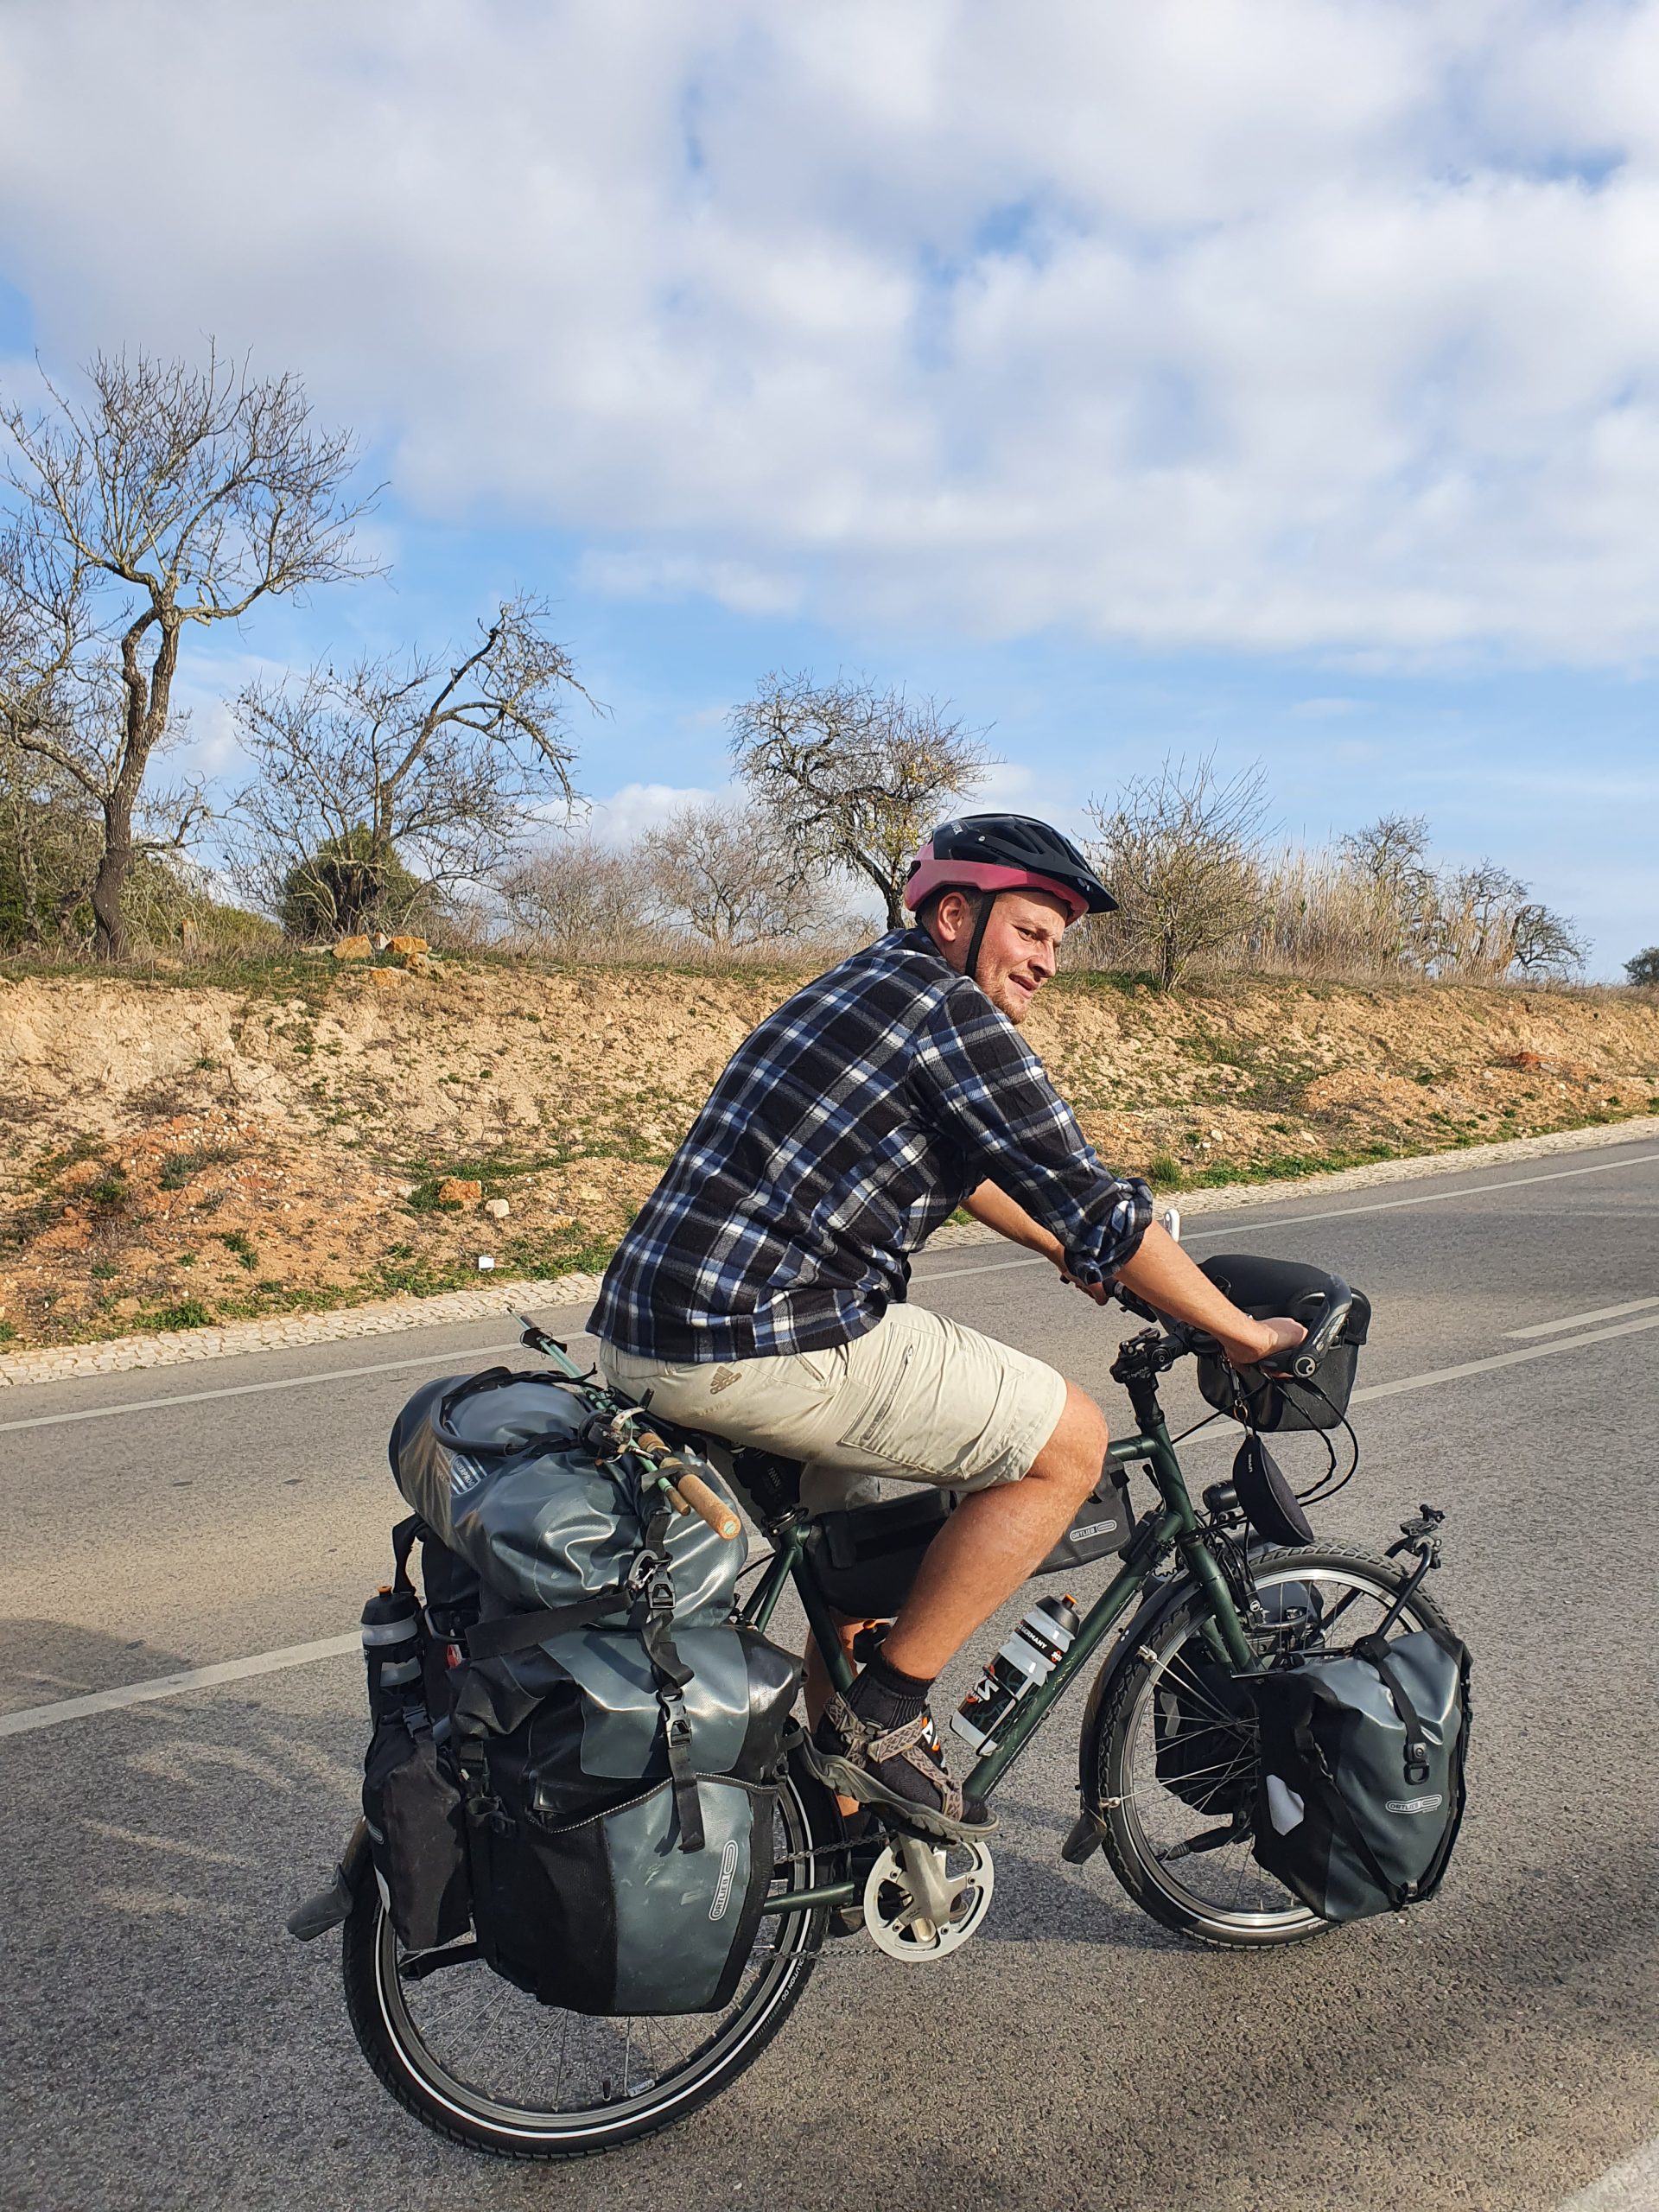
1303 1363
713 1508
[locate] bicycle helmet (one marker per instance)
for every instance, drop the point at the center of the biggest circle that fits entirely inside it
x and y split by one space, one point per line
1004 852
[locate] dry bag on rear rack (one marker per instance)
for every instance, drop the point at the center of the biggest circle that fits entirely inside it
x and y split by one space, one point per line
617 1738
1359 1784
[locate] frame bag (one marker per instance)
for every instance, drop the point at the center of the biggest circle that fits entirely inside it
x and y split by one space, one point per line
1359 1790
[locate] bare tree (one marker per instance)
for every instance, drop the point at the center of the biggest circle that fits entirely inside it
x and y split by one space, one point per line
442 761
722 874
1180 853
1389 858
853 779
172 496
1547 944
48 849
577 896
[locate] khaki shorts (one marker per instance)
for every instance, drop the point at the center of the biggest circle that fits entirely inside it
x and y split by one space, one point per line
917 1397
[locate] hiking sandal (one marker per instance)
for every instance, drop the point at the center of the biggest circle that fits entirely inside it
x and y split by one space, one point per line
898 1771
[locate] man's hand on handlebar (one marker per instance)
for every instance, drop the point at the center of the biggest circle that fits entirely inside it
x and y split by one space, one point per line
1265 1339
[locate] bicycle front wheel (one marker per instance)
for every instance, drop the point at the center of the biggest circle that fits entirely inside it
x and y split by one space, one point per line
1174 1754
483 2062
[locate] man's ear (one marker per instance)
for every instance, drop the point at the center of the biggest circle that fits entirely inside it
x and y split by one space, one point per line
954 912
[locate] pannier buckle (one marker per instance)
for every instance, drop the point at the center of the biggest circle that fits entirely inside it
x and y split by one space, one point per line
646 1565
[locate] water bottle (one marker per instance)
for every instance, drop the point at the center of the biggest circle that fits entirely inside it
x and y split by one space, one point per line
392 1650
1029 1656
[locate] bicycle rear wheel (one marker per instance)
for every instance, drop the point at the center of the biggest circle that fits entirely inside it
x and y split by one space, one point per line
1168 1804
483 2063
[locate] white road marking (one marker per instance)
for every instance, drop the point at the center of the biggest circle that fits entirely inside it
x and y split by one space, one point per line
304 1655
1230 1225
938 1275
252 1390
194 1678
1631 2186
1501 1359
1581 1320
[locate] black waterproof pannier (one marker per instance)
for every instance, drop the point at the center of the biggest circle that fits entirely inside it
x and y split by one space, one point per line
615 1738
412 1795
1360 1778
1265 1289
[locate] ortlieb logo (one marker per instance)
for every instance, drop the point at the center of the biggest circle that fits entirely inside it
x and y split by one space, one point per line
1416 1804
1092 1529
723 1887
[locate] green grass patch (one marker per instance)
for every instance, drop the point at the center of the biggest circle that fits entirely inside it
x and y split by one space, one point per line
240 1246
179 1167
182 1314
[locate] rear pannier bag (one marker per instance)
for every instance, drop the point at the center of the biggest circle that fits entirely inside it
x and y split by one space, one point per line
1360 1780
617 1736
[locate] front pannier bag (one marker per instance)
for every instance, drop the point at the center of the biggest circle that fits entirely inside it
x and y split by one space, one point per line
618 1738
1359 1788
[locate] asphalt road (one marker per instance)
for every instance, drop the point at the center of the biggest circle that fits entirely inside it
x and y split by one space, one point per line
162 2044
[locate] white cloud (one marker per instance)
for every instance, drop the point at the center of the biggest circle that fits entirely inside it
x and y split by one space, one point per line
1282 323
628 813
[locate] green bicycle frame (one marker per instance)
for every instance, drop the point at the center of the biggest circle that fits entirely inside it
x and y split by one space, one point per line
1174 1523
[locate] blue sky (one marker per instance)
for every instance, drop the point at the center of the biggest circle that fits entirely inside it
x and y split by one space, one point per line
1277 378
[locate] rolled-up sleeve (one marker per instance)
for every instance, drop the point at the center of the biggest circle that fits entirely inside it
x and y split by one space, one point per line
988 1091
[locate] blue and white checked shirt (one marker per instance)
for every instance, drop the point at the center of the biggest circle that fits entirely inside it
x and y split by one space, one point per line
844 1130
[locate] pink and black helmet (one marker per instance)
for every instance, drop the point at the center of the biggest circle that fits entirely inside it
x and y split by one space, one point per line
1006 852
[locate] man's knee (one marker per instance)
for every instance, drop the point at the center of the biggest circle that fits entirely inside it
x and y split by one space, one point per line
1073 1455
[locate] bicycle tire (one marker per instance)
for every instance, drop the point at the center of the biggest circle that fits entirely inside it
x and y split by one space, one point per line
479 2120
1121 1790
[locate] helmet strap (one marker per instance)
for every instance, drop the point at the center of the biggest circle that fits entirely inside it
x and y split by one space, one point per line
971 966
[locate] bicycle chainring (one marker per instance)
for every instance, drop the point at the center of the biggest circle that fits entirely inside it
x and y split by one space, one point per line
922 1901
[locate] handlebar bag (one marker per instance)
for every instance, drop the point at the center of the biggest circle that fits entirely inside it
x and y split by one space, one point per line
617 1737
1359 1790
1265 1289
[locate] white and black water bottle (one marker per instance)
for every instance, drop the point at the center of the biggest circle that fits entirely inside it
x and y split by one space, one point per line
1029 1656
392 1646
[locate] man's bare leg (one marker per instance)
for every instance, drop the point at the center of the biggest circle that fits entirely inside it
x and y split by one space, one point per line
992 1541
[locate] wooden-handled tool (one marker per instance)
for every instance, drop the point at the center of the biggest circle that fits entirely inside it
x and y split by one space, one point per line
713 1508
686 1489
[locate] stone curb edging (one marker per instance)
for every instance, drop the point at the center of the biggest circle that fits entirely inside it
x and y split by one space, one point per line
179 1347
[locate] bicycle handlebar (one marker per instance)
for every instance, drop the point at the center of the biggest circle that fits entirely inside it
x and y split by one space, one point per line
1299 1365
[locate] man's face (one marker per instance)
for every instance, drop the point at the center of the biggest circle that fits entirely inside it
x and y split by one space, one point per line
1021 941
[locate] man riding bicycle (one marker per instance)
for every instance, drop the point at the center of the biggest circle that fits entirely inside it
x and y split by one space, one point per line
760 1293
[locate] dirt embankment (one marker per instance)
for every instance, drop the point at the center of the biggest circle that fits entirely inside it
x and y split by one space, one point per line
176 1154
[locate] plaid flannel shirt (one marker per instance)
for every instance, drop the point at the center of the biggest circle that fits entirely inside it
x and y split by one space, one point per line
843 1131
